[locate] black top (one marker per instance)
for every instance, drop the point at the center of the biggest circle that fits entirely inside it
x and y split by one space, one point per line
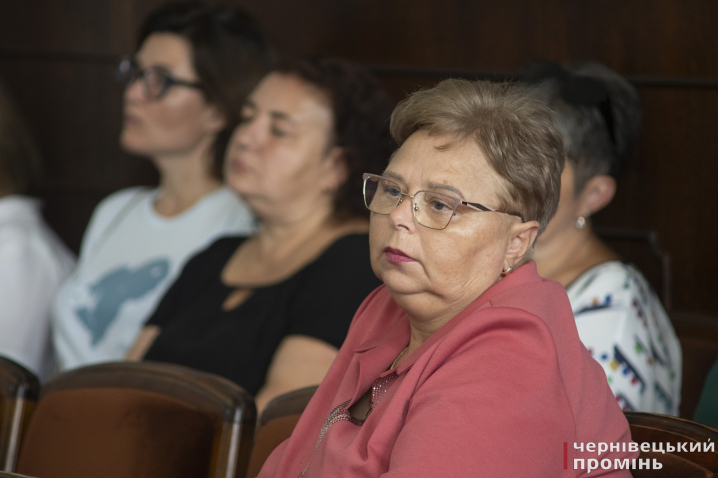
318 301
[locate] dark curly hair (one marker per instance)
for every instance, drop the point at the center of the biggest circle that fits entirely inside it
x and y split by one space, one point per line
361 108
229 53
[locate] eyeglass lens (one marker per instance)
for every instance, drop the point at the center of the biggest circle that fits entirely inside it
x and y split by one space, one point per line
154 80
431 210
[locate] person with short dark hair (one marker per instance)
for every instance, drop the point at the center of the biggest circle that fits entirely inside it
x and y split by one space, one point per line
270 311
33 260
183 90
466 362
619 317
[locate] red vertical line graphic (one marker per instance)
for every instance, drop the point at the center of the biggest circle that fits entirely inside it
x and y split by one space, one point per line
565 455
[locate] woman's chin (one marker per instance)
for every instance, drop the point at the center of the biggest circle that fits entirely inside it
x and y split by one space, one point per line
400 282
238 183
130 143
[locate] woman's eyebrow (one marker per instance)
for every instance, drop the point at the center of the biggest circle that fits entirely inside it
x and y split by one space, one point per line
447 187
281 116
432 185
393 175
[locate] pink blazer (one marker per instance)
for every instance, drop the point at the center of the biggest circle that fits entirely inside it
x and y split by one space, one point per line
503 389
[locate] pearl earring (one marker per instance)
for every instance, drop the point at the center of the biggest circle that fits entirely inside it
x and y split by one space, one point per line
581 221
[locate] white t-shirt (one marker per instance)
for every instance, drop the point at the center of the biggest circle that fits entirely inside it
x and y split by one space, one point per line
130 255
623 325
33 263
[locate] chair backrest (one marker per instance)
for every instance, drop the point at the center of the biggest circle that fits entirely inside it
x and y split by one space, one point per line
19 389
698 335
122 420
654 429
277 424
642 248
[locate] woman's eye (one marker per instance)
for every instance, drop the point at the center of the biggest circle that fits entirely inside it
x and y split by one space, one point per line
439 206
393 192
278 132
246 116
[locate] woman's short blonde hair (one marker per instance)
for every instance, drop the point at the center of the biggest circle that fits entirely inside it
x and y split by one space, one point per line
515 132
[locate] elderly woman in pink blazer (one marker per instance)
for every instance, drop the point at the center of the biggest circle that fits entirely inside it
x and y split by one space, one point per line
466 362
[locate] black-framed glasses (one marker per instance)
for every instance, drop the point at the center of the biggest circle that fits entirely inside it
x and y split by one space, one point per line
156 80
431 209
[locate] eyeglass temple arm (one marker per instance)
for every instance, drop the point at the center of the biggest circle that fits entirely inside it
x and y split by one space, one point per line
481 207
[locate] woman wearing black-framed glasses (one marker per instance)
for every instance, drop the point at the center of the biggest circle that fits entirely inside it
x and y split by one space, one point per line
183 92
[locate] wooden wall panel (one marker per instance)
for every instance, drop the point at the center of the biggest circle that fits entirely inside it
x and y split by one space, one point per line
74 109
91 27
57 57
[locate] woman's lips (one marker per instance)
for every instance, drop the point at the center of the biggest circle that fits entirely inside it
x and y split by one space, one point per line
236 165
397 256
130 119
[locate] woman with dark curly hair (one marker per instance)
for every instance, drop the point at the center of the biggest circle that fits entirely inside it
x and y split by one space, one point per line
271 311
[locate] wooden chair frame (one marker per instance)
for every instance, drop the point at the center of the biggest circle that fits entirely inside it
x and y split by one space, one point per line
19 389
281 414
652 427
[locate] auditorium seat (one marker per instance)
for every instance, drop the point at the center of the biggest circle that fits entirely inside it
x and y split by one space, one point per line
277 423
139 420
698 334
19 388
654 429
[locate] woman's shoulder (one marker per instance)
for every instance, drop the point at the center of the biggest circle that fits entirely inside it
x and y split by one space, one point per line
108 211
353 244
609 284
220 250
225 210
119 199
30 243
343 265
607 274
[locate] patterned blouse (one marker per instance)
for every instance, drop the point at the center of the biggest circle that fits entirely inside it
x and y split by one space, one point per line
624 327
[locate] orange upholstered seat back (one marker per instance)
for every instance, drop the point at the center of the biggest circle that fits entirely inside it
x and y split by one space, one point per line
139 421
113 432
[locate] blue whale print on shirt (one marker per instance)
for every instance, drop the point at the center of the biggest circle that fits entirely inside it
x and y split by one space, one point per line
116 288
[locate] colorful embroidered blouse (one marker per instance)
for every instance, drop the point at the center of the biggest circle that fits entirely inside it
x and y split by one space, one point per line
624 327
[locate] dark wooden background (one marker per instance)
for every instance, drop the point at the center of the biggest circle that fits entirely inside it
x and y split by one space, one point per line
57 58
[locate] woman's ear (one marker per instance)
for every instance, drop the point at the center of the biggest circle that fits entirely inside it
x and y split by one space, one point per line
522 238
214 120
597 193
336 171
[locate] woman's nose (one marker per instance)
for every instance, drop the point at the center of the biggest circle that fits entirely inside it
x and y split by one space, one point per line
403 214
248 135
135 91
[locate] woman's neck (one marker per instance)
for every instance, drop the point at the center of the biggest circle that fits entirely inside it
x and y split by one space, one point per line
280 237
283 247
565 258
184 180
427 314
